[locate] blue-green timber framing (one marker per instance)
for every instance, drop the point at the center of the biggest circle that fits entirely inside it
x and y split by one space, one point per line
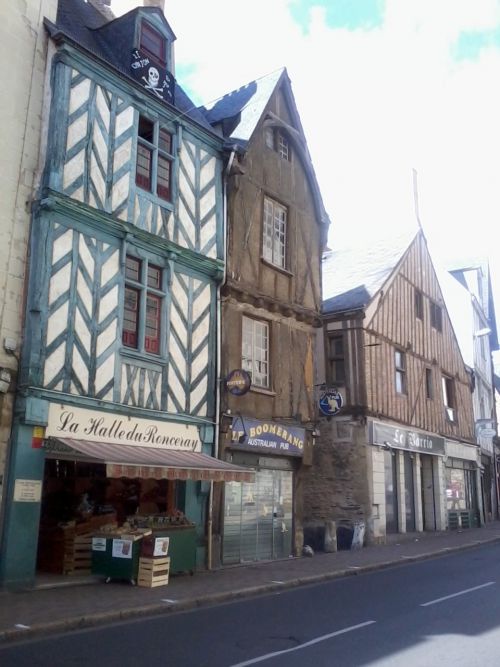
96 231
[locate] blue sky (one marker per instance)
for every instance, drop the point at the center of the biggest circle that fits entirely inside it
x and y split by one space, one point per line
364 14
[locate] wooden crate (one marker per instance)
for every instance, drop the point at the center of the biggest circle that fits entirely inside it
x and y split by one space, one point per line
153 572
77 555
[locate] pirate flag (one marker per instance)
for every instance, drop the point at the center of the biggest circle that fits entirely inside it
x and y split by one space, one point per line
156 79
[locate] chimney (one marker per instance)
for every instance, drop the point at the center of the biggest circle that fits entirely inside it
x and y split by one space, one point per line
103 7
155 3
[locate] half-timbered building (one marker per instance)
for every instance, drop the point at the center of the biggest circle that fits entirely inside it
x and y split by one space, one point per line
397 450
271 303
118 376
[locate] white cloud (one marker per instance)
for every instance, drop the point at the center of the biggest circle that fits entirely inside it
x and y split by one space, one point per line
374 103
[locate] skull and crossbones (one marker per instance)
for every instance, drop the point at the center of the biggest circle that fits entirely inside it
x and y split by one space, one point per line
152 81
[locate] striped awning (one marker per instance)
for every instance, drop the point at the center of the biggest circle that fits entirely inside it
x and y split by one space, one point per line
135 461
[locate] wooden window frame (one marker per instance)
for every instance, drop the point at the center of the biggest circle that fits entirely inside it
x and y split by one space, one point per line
148 30
449 399
160 159
255 358
436 316
274 233
429 386
400 372
141 338
336 360
278 141
419 304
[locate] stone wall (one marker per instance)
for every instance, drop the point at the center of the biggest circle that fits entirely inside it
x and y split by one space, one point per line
336 488
24 44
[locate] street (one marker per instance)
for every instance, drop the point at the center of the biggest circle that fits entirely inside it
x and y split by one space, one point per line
443 611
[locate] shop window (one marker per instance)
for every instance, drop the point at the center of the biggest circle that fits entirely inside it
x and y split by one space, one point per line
143 305
400 365
336 359
274 233
153 43
429 389
449 398
419 304
255 350
154 159
436 313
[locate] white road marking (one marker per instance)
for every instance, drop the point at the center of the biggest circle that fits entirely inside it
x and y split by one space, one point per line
323 638
170 601
21 626
277 582
454 595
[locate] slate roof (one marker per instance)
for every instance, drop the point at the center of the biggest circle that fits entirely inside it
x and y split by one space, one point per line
112 41
353 276
246 105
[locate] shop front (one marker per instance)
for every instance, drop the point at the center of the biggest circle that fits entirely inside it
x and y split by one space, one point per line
406 486
258 516
101 473
463 485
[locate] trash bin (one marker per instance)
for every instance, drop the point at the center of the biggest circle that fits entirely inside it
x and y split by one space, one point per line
115 558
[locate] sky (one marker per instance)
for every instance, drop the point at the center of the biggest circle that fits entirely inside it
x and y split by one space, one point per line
385 89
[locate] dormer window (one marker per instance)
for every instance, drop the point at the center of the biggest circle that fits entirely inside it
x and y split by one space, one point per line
153 44
278 141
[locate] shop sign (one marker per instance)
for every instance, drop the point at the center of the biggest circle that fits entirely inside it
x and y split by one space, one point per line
238 382
401 438
330 402
79 423
253 434
122 549
98 544
27 491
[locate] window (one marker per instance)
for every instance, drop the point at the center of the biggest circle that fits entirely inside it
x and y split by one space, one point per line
283 146
419 304
274 233
400 363
336 358
255 350
154 159
436 316
278 141
429 389
143 303
449 398
153 43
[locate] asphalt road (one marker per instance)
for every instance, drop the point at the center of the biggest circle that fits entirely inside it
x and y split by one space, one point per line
443 612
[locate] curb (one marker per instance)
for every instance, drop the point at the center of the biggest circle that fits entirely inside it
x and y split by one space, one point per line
88 621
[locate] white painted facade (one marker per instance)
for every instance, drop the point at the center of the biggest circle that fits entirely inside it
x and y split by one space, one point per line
24 42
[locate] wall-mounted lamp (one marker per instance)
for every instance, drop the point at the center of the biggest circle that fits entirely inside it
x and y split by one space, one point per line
242 438
5 379
226 422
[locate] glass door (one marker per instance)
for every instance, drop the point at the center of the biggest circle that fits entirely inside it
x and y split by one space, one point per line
258 518
409 493
391 492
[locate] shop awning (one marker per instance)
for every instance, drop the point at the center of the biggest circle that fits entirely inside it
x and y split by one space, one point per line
147 462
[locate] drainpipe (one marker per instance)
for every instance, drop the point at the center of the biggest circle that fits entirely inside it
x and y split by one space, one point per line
218 355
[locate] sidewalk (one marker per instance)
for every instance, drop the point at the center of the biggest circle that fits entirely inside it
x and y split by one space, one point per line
48 608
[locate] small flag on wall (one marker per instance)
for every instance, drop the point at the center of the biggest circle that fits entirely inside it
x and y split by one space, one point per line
37 437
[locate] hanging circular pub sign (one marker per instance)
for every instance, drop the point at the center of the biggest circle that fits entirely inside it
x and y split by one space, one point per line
238 382
330 402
